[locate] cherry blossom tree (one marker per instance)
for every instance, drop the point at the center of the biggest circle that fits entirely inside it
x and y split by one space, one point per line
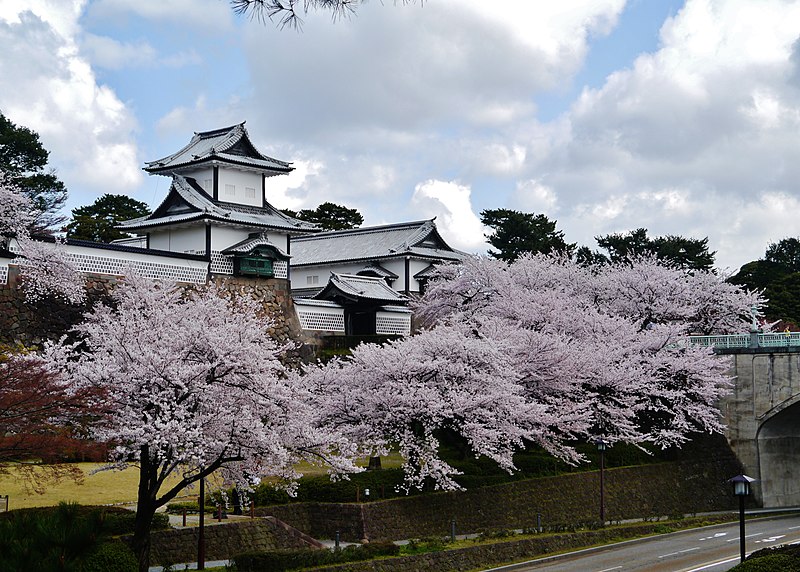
402 393
194 385
45 266
16 210
546 351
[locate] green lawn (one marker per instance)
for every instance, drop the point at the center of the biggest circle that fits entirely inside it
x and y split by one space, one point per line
110 487
105 487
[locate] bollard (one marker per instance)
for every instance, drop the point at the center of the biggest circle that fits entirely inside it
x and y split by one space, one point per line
219 513
539 522
453 530
252 511
184 518
336 541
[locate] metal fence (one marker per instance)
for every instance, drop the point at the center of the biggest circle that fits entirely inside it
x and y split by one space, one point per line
771 340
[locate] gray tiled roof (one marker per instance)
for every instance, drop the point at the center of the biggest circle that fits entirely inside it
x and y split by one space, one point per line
229 145
420 239
360 288
248 244
378 270
195 205
426 272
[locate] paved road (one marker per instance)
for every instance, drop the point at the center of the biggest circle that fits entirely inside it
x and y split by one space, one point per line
709 549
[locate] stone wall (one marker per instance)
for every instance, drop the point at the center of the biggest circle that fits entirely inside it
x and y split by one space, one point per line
632 492
223 541
32 323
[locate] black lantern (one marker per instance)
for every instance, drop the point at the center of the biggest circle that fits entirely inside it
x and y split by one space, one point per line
741 488
602 444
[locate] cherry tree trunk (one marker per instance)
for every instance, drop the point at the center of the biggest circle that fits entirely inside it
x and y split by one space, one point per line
141 534
145 508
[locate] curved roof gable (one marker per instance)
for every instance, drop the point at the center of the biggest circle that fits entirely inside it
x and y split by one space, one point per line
254 241
419 238
186 201
227 145
349 288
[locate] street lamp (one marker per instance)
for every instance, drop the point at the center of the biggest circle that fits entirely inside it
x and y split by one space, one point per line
601 446
741 488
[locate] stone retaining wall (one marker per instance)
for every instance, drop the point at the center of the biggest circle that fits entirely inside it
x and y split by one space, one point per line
32 323
224 541
632 492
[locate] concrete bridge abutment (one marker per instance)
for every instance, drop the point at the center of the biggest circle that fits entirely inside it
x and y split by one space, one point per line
762 416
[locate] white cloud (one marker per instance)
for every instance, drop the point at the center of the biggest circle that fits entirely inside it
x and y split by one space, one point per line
533 196
450 203
109 53
689 138
464 61
290 191
201 14
46 85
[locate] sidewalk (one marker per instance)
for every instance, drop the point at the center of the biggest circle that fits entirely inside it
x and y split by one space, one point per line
191 565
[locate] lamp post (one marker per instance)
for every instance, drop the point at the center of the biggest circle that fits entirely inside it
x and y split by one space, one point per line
601 447
201 538
741 488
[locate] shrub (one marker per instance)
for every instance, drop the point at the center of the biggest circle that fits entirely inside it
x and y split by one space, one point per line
179 507
769 563
785 558
294 559
111 557
57 538
321 489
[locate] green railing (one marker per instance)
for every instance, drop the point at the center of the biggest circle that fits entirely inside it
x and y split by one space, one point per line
733 341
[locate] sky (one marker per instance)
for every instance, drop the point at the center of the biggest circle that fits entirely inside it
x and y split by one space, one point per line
681 117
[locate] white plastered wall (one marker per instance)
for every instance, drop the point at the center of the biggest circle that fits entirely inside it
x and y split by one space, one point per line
204 178
322 272
223 237
191 239
245 186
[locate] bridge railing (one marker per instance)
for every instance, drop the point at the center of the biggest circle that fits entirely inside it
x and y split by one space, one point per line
730 341
771 340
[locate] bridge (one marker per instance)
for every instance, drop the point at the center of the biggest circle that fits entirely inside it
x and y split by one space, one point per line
762 414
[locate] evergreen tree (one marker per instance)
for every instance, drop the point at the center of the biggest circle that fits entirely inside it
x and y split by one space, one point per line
778 276
96 222
24 160
517 233
682 252
329 216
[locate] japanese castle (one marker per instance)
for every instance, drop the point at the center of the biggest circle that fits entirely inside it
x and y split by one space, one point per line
216 220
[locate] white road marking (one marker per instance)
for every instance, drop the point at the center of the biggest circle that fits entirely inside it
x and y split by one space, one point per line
712 564
680 552
771 538
746 536
609 569
717 535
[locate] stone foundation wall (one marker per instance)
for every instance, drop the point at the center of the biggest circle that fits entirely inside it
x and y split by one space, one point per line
32 323
223 541
646 491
